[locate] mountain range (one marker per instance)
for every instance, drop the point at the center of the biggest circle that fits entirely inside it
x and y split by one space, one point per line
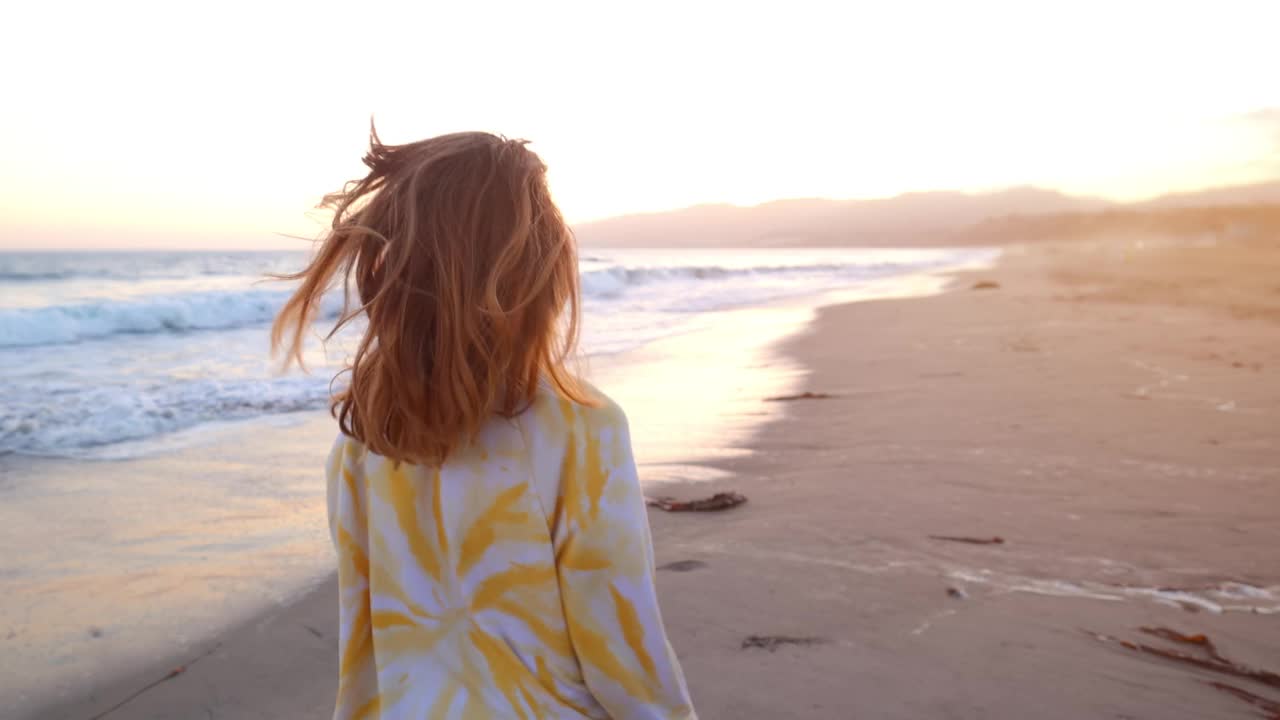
920 219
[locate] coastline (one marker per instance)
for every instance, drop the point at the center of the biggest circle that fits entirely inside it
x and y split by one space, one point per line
701 370
715 372
1121 449
1034 412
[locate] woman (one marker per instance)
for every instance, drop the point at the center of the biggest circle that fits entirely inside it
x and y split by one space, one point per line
493 547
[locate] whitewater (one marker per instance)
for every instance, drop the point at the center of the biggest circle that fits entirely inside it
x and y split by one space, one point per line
106 354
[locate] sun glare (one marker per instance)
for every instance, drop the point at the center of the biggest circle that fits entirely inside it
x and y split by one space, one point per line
150 125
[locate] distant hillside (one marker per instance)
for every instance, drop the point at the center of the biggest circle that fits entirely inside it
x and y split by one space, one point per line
1195 222
1266 193
913 219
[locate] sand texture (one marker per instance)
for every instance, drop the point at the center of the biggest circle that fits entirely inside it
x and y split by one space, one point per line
1110 413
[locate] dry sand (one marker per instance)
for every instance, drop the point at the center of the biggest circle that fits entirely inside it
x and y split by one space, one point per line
1110 413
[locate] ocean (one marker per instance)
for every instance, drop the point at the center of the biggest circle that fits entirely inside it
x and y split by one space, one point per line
110 355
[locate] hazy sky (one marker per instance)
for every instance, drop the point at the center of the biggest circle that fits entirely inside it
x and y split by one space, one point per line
157 124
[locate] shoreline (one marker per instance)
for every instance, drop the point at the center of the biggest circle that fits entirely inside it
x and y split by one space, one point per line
243 531
1036 412
684 456
674 452
1128 470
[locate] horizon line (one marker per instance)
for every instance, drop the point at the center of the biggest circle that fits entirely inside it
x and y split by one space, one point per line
1111 203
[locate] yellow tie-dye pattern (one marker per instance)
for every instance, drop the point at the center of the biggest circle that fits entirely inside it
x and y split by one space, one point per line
384 619
573 556
369 709
472 710
380 577
442 540
405 641
507 673
554 640
485 529
594 648
358 646
633 631
494 587
548 682
528 699
596 475
402 497
350 479
352 554
569 505
496 609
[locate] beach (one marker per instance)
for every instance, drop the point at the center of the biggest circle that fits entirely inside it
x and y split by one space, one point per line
159 477
998 486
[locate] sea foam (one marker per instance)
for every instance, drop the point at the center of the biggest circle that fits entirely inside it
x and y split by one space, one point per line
221 310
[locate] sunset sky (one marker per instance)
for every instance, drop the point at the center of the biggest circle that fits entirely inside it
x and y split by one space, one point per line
153 124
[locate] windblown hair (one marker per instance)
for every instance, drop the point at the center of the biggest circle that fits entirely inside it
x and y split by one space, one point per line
468 277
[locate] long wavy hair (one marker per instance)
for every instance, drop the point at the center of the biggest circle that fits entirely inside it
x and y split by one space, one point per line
468 277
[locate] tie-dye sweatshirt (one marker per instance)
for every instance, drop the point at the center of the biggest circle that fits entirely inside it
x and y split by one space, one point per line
515 581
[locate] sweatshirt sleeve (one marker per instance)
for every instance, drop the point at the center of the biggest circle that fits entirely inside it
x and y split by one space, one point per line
357 674
604 558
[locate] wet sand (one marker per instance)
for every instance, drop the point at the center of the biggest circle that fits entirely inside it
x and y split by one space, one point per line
1117 437
1108 412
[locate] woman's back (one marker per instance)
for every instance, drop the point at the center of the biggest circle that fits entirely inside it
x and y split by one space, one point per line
493 550
516 580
